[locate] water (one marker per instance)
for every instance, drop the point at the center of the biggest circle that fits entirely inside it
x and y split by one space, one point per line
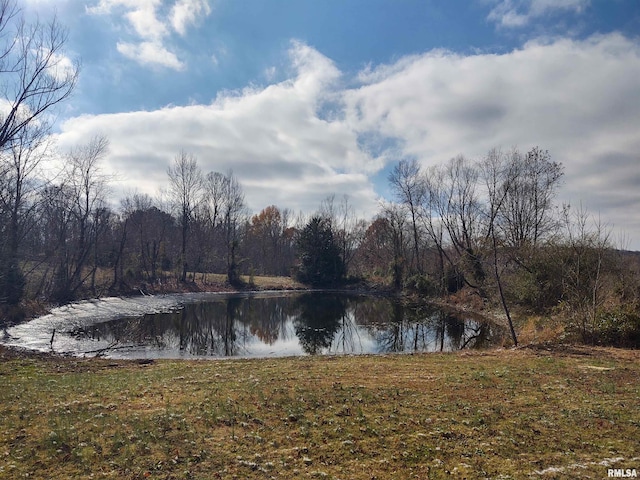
250 325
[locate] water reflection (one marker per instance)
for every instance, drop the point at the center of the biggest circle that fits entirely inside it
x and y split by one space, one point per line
309 323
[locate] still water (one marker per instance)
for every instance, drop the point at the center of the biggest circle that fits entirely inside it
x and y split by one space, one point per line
263 325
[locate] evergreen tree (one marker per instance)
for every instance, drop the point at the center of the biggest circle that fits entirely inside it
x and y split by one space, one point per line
320 260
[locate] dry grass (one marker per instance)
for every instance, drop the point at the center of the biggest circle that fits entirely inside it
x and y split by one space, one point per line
274 283
501 414
218 282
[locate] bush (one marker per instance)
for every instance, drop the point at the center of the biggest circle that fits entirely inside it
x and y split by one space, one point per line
421 284
619 327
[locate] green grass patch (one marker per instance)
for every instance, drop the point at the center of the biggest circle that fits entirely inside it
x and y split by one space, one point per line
501 414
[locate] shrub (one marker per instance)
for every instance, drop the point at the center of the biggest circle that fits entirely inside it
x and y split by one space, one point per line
619 327
421 284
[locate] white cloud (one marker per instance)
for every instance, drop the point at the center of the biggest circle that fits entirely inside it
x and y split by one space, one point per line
270 73
219 55
578 99
146 23
518 13
150 53
187 12
151 43
61 66
272 137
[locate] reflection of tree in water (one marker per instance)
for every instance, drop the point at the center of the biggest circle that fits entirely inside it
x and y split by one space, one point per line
419 328
198 329
210 328
318 320
347 338
322 323
217 328
267 317
149 329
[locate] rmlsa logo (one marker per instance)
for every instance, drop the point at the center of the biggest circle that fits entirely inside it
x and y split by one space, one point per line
622 472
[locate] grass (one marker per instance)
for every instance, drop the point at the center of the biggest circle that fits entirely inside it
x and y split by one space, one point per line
522 413
218 282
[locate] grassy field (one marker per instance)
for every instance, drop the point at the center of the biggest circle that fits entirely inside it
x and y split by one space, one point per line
526 413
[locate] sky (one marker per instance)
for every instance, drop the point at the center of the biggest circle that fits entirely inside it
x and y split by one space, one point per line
303 99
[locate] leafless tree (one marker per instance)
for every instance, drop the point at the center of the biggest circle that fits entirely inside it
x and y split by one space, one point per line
185 187
431 217
408 185
526 215
214 193
454 200
347 229
18 201
223 201
148 229
35 75
76 210
587 269
500 176
233 212
394 227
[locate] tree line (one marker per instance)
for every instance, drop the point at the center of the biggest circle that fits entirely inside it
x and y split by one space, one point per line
491 228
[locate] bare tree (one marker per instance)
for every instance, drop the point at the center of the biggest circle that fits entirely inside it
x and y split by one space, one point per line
347 229
407 182
500 176
185 179
526 215
589 262
214 193
149 229
224 203
234 209
36 75
432 210
394 226
77 215
18 201
455 201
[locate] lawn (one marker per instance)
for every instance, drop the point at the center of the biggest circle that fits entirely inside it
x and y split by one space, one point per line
524 413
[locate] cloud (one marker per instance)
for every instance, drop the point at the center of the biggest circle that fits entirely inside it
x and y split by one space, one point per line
145 22
271 137
61 66
294 142
578 99
518 13
270 73
187 12
150 53
150 45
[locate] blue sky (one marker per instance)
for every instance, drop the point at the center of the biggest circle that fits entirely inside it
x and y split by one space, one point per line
307 98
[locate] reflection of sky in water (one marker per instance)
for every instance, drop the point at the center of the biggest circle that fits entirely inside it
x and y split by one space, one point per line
262 325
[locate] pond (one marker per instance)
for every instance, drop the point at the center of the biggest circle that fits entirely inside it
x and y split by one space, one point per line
250 325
